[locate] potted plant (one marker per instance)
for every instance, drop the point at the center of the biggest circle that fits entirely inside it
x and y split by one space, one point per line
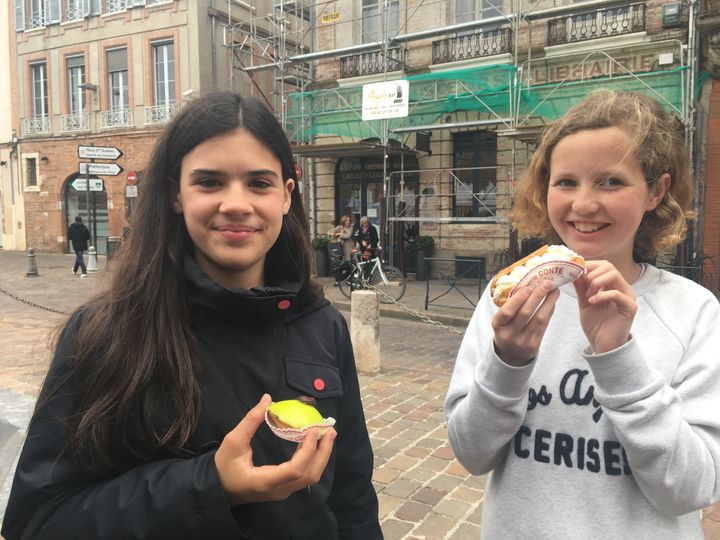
319 245
423 248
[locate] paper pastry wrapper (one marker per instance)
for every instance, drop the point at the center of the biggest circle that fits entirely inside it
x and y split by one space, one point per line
557 272
297 435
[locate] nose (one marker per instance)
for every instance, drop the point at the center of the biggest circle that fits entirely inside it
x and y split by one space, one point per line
585 201
236 199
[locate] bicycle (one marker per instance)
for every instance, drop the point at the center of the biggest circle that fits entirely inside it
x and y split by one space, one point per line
386 279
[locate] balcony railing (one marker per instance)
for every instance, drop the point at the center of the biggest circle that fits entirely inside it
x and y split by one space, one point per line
116 118
468 46
371 63
74 122
116 5
38 124
600 23
159 114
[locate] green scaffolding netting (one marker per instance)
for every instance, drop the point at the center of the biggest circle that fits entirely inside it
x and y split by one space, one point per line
487 91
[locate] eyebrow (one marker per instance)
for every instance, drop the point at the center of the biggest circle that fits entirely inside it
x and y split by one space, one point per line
214 172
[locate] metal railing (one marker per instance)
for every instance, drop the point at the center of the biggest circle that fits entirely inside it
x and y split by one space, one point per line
606 22
74 122
160 114
467 46
112 6
38 124
372 62
116 118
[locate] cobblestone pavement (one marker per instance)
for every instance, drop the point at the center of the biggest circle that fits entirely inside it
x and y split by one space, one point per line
423 491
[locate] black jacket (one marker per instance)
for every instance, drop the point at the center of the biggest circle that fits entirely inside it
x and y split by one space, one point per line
249 346
370 236
79 235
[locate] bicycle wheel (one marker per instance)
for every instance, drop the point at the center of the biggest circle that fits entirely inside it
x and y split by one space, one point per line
348 285
395 287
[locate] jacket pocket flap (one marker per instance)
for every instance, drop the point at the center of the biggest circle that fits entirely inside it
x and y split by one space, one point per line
313 378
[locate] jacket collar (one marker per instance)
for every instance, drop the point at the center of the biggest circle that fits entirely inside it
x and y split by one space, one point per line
258 304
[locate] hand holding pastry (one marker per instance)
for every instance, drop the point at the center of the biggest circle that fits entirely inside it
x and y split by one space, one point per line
607 306
243 482
520 325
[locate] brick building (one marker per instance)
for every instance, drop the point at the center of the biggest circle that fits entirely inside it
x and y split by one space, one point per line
107 73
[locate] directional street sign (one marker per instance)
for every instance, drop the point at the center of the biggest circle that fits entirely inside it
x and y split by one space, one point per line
99 152
96 184
101 169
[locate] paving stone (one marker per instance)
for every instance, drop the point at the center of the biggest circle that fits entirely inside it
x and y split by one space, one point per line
428 495
475 516
421 475
433 464
418 452
444 452
452 508
464 493
429 443
435 526
456 469
388 504
466 531
413 511
385 475
444 482
394 529
402 487
402 462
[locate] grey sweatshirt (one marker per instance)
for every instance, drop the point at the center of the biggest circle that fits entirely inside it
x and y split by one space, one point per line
624 444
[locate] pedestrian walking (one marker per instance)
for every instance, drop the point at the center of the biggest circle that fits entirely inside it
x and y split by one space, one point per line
79 236
150 423
594 407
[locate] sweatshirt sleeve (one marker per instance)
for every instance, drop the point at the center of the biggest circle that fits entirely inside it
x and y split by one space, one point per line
52 498
487 399
670 429
353 499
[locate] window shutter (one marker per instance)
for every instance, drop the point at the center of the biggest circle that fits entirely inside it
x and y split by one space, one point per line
92 7
19 15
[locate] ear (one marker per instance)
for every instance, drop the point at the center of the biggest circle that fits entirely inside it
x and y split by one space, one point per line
289 187
658 191
176 201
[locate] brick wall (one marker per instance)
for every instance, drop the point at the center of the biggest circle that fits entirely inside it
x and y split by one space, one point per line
46 221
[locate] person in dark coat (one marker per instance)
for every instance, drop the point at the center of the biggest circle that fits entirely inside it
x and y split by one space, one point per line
151 421
79 236
366 237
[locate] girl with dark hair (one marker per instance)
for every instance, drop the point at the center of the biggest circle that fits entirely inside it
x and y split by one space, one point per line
150 423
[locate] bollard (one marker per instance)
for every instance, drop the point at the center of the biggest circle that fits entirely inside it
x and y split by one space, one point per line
365 330
92 260
32 270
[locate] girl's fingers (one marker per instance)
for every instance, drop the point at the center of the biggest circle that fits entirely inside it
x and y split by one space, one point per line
238 440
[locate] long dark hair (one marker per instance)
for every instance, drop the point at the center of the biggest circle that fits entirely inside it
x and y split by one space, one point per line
136 373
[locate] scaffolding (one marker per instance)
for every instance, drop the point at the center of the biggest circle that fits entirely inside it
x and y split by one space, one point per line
480 75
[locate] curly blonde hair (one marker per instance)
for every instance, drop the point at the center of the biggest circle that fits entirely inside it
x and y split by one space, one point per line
656 141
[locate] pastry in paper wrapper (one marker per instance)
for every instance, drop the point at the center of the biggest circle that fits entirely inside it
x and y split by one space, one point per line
557 264
292 419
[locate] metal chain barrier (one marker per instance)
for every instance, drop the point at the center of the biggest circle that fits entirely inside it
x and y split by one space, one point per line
32 304
424 318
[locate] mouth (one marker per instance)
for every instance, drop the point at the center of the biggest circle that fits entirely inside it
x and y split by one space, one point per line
236 232
586 227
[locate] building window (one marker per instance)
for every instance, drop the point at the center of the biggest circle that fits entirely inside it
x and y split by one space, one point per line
38 79
75 10
472 10
474 184
372 27
77 117
118 79
31 173
42 12
164 71
113 6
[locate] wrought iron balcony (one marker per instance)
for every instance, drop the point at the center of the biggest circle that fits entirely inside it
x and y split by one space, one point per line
116 118
372 62
74 122
36 125
113 6
159 114
606 22
467 46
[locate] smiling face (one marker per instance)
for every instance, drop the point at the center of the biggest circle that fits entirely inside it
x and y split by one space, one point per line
233 198
597 196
